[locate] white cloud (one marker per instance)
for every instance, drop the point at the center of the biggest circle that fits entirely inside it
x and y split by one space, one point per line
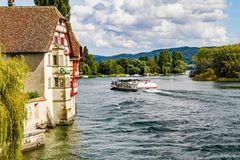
145 24
82 12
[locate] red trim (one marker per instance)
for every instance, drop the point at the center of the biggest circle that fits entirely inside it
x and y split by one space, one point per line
74 78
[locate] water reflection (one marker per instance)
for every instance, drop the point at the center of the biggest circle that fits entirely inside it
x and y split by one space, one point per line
60 142
227 85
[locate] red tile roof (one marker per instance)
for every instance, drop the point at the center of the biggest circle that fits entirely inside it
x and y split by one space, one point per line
76 49
28 29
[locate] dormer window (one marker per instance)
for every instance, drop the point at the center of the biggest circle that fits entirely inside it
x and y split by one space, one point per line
56 39
62 41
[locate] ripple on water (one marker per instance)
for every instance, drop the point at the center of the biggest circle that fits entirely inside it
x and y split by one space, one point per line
159 122
184 120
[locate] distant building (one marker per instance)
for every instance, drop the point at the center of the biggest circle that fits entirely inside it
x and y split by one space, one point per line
42 36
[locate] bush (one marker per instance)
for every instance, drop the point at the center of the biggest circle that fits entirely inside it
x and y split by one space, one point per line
33 94
206 76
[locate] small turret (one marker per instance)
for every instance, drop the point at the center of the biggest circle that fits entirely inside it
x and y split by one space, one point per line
11 3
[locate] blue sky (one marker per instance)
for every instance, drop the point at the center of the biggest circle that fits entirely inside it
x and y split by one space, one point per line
111 27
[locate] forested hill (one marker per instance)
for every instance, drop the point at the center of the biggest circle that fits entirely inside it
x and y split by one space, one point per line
187 53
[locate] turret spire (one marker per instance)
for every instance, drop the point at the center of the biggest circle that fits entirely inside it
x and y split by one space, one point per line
11 3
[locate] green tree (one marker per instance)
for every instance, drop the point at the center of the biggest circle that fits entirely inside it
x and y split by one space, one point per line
226 65
112 65
178 65
124 62
92 64
86 69
62 5
133 70
120 69
12 106
223 61
85 55
145 58
146 70
202 60
103 67
152 64
156 59
141 65
90 61
164 62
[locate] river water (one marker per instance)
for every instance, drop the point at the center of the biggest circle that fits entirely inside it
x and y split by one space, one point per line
183 119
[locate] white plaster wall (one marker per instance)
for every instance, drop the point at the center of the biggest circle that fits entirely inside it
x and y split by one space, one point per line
58 110
58 94
47 88
36 113
68 93
72 111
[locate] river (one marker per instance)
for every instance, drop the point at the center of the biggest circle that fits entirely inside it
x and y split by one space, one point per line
183 119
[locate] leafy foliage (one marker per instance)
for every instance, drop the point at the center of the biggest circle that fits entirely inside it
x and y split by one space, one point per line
88 65
62 5
178 65
12 104
164 64
206 76
224 61
33 94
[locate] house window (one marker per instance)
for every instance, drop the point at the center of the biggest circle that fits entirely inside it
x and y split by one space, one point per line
65 42
61 82
56 82
62 41
54 60
56 39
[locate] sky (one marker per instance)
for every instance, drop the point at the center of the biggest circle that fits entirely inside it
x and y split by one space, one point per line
110 27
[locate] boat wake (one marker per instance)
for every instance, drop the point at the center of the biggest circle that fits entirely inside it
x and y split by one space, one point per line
159 91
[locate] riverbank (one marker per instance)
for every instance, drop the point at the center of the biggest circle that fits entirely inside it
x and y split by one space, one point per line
125 75
219 80
209 76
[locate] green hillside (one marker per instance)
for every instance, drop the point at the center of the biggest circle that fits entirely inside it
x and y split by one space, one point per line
187 53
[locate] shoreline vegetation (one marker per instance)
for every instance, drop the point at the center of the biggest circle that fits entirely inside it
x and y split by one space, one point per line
166 63
220 64
126 75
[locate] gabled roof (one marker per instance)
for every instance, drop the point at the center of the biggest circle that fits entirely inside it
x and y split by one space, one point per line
28 29
76 49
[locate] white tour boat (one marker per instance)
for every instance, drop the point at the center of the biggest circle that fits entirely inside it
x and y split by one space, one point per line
132 84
